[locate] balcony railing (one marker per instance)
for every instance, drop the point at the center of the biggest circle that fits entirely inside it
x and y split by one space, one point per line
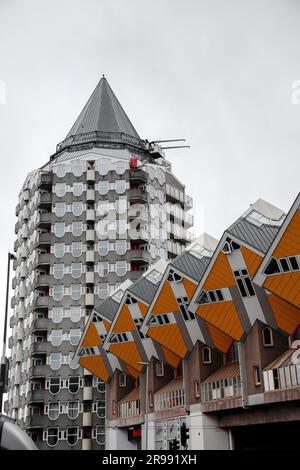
130 406
171 396
285 376
225 383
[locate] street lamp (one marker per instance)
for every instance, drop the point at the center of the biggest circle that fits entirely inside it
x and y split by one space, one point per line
3 358
146 364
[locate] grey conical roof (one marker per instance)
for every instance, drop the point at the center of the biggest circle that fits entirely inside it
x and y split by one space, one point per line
103 112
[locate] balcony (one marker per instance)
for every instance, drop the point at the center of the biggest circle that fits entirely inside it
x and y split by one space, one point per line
15 401
38 347
90 215
171 396
86 444
282 374
43 238
44 200
90 235
18 209
137 196
87 393
36 395
43 258
45 180
36 420
138 176
89 300
141 256
87 419
90 175
90 256
41 302
19 355
42 280
222 385
44 219
130 406
90 278
12 321
40 324
37 371
23 271
90 195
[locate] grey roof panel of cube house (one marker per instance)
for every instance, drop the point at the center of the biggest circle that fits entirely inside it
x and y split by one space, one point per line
107 308
259 238
144 289
191 265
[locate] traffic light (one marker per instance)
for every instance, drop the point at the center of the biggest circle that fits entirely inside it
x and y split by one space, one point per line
174 445
184 435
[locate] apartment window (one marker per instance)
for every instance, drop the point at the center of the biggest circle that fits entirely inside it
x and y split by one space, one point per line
119 338
174 277
76 249
52 436
103 247
159 320
121 268
76 290
103 166
244 283
183 303
100 435
294 263
73 409
74 384
120 186
57 314
60 209
75 335
59 250
75 313
103 290
58 292
103 187
77 208
76 270
197 388
202 298
211 296
100 386
159 369
267 335
55 361
60 189
54 385
56 337
121 247
101 408
120 167
272 267
257 375
59 229
53 410
58 270
77 229
72 436
122 380
77 189
77 168
61 170
103 268
206 355
230 246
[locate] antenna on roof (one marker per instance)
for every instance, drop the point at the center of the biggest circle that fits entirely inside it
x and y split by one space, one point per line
156 151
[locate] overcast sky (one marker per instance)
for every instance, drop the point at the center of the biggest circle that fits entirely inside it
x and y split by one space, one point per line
218 73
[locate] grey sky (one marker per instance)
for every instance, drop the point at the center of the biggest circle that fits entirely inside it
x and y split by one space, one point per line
218 73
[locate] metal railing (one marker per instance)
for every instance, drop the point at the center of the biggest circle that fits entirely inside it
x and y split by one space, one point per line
221 389
170 399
